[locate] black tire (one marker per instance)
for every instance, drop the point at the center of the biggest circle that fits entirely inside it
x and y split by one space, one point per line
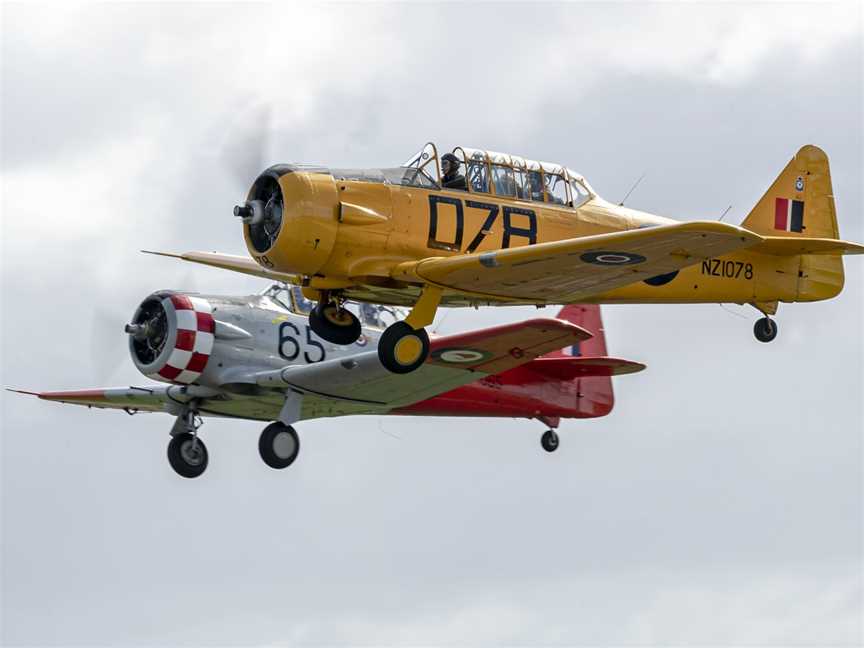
334 324
278 445
187 456
765 329
550 441
402 349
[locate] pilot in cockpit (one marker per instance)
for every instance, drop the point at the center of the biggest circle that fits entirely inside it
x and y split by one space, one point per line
370 315
452 178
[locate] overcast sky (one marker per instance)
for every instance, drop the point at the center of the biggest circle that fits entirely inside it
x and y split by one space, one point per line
719 504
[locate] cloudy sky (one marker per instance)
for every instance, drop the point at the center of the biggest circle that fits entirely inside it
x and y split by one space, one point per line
719 504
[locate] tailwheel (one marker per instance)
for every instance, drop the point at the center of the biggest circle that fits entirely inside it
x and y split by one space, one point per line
279 445
187 455
765 329
402 349
549 440
334 323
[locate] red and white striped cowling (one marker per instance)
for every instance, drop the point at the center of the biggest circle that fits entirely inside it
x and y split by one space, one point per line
192 339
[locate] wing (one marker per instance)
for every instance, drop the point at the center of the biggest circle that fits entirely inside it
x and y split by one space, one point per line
167 398
145 399
361 385
230 262
570 270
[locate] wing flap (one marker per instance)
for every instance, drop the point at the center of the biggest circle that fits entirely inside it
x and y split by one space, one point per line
569 270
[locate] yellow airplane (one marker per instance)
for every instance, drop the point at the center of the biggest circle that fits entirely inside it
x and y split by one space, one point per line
497 229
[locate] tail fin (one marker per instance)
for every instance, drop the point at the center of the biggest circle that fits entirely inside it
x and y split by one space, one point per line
800 202
797 217
593 396
588 317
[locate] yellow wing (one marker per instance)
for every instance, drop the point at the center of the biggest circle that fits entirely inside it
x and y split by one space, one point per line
233 262
573 269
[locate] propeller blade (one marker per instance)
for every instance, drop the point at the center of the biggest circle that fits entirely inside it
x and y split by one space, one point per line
246 148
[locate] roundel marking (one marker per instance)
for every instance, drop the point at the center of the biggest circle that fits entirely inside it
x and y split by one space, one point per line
612 258
461 356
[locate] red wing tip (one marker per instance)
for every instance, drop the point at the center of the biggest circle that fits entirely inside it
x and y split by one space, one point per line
87 394
23 391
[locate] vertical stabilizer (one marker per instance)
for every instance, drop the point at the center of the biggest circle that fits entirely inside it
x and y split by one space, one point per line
800 202
588 317
592 396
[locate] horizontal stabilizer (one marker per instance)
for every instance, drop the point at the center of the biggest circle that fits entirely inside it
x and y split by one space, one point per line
232 262
570 368
785 246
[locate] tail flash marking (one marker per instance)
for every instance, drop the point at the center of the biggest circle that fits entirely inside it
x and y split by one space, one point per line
789 215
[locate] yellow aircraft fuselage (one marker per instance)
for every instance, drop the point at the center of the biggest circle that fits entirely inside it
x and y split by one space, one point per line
349 235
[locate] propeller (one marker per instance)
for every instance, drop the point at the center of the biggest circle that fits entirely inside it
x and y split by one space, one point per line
246 147
108 347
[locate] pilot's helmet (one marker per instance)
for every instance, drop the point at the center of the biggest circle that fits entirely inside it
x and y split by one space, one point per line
452 160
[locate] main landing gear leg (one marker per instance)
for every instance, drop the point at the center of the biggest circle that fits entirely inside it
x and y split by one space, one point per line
187 454
333 322
404 346
765 329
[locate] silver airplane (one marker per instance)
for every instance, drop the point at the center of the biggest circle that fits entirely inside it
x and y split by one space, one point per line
256 357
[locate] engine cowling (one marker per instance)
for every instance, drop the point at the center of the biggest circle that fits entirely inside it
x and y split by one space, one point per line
171 337
291 218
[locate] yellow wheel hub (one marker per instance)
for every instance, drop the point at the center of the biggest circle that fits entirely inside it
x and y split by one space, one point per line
408 349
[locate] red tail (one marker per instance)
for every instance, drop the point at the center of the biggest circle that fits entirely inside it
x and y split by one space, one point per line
574 382
588 317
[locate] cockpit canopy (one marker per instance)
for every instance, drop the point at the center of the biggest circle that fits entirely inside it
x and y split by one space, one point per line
486 172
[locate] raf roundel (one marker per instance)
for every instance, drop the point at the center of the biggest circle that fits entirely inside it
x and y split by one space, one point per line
461 355
610 258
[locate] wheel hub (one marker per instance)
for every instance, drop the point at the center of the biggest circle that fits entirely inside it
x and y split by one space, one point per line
284 445
191 453
408 349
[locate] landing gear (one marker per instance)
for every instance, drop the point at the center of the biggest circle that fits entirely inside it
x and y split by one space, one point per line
549 441
403 349
187 455
765 329
335 323
279 445
404 346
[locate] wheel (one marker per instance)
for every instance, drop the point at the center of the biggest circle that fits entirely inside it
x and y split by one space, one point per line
765 329
187 455
549 441
335 324
401 349
278 445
